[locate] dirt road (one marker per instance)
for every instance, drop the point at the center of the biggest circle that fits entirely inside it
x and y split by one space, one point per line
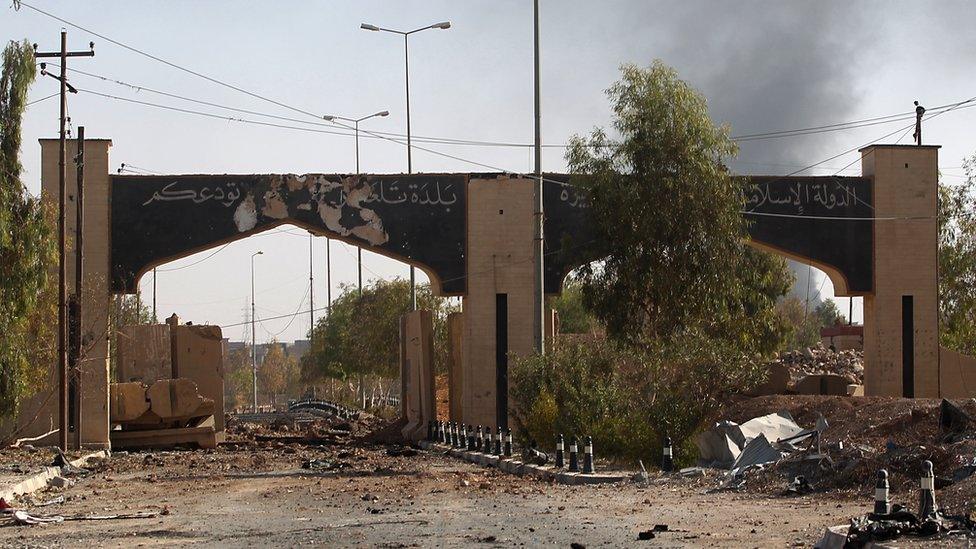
261 497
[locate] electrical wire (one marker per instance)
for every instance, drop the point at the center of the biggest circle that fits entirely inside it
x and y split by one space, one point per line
134 167
29 103
841 126
293 317
165 62
181 267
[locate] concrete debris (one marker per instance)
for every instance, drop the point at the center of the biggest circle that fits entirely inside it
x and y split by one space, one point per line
723 445
60 482
324 465
819 360
757 451
404 451
901 522
800 486
23 517
534 456
952 419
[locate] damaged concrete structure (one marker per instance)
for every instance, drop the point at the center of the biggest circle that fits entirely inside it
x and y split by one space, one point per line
875 236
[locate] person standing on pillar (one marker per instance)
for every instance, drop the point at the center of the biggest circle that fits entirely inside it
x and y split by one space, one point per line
919 111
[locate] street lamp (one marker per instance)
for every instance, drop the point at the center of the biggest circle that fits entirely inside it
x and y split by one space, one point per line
356 121
254 355
444 25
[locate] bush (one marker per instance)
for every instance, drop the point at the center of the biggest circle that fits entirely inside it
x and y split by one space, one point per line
628 400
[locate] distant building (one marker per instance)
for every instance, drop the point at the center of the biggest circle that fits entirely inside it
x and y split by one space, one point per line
296 349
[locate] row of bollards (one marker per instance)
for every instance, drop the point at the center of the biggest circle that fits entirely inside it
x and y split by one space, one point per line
926 494
588 466
478 439
468 437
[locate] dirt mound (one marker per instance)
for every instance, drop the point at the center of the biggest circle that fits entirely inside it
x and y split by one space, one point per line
864 435
387 434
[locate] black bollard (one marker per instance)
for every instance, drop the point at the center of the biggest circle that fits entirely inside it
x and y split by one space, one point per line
559 452
573 457
667 456
588 456
926 495
441 432
508 443
454 434
470 430
882 503
479 441
498 441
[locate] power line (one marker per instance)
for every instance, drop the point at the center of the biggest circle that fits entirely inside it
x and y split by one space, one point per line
29 103
841 126
217 251
293 317
165 62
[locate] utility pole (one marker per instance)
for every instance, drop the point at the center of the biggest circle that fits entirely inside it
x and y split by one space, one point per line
328 276
254 342
311 298
79 270
63 56
154 296
539 303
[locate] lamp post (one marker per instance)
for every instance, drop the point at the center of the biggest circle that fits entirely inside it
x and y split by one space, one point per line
356 121
444 25
254 354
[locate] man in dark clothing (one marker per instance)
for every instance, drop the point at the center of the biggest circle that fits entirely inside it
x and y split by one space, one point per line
919 111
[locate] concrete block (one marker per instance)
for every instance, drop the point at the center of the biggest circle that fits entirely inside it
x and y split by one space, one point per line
822 384
776 382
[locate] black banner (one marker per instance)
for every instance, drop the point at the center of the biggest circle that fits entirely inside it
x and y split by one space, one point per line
828 220
415 218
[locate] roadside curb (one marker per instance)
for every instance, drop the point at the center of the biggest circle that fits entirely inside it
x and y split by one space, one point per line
516 467
40 480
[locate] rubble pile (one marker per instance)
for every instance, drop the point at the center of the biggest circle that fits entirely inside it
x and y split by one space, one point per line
854 439
298 427
820 360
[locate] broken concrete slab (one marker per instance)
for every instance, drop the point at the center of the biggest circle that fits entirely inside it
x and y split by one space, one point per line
776 426
758 451
40 479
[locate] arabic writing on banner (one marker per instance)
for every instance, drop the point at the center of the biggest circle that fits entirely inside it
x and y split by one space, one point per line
800 196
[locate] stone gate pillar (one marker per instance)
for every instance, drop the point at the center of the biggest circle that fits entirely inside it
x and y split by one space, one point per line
498 305
417 373
901 336
96 299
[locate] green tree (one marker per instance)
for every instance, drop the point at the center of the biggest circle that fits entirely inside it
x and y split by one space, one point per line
828 314
957 262
127 310
361 335
574 317
237 379
669 212
27 248
274 371
686 303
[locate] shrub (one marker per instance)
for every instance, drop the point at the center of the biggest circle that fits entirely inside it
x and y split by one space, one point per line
628 400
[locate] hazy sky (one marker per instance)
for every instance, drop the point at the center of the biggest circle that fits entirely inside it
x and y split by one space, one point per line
764 66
